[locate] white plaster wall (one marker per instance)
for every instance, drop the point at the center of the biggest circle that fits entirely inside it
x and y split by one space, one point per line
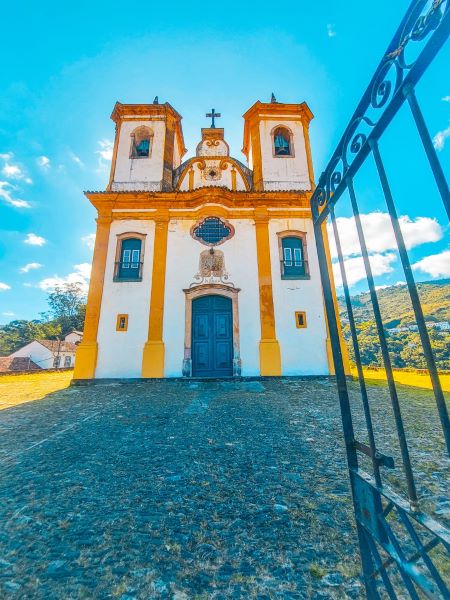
303 351
42 356
120 352
73 337
182 265
225 179
140 169
284 173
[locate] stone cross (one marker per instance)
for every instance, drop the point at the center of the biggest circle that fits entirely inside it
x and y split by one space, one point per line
213 115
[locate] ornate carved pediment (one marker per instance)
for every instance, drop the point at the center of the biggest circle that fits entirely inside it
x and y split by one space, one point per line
211 268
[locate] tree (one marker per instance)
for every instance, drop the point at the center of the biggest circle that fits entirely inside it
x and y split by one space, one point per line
16 334
68 306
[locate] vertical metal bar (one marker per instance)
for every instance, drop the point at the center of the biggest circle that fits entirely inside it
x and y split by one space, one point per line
385 352
362 383
430 151
381 569
369 566
346 416
415 300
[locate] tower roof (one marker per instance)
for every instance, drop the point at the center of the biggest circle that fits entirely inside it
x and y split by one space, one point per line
150 112
273 111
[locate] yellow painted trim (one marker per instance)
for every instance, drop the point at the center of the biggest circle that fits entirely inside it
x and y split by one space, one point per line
191 178
269 348
269 358
153 354
308 155
86 356
114 156
198 197
344 349
301 313
233 178
258 183
118 323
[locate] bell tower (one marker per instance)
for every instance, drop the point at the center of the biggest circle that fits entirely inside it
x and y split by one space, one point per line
148 146
276 144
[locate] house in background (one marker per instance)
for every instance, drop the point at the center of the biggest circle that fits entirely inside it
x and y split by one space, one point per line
74 336
48 354
11 364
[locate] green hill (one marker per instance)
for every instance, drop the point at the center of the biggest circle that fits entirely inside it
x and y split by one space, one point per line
397 313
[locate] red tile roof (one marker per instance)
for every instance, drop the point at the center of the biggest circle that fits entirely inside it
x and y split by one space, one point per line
17 363
58 346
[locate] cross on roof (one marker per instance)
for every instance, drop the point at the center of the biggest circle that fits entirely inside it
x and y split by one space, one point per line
213 115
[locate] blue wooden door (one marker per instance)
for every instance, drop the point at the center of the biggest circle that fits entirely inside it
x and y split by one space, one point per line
212 337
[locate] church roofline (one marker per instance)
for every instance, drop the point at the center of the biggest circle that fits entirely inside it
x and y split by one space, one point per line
182 170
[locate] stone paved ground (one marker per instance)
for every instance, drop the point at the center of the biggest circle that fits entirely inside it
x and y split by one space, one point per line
181 490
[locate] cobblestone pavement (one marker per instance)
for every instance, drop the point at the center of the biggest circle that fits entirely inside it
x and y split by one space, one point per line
180 490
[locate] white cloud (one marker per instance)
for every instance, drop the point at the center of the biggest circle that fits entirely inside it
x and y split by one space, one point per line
27 284
446 98
8 314
35 240
43 162
4 287
89 240
379 234
383 287
81 275
436 265
12 171
77 160
331 32
440 137
104 154
30 266
6 195
354 267
106 151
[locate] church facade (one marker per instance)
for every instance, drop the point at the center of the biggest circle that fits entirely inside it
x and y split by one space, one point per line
205 267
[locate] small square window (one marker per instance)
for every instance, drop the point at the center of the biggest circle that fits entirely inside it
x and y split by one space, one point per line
300 319
122 323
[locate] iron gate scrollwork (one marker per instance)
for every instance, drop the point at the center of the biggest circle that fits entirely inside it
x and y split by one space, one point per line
398 538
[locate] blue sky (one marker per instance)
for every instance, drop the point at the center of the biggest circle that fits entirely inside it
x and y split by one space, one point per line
64 66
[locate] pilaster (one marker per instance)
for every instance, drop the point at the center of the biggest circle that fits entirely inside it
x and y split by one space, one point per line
86 356
154 351
269 348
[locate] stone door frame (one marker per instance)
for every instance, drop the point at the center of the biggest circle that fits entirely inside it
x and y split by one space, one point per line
211 289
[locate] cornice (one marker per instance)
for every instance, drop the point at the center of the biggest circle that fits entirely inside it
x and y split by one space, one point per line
108 201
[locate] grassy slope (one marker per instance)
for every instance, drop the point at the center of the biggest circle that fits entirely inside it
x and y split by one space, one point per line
396 307
16 389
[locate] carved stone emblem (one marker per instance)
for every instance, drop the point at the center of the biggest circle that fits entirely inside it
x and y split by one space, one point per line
211 268
212 263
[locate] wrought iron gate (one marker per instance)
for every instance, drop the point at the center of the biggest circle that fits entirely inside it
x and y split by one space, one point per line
405 552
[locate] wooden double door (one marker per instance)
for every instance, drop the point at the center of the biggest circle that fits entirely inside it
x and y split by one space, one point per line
212 336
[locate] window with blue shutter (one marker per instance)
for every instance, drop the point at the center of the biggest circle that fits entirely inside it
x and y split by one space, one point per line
129 265
293 263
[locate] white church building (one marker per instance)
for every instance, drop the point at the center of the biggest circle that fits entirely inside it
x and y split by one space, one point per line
205 267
